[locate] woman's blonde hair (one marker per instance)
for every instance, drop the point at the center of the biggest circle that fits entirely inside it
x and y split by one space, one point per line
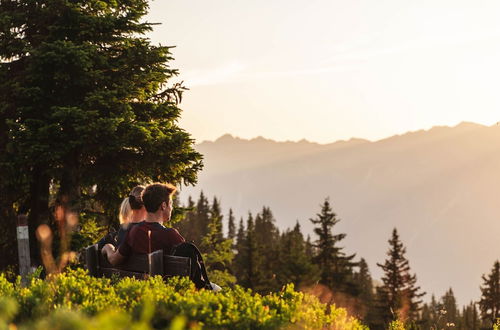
125 211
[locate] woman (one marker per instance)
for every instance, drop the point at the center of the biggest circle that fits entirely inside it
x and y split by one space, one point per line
132 211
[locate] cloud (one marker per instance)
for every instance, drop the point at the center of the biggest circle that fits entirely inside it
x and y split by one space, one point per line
237 72
224 73
349 56
350 53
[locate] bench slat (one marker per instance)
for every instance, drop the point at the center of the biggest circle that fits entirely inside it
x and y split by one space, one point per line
176 266
137 265
92 260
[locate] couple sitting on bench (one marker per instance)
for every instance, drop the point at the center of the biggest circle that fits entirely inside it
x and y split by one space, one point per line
153 205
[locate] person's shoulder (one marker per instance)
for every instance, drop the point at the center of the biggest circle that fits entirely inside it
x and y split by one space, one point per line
174 235
134 226
171 230
168 230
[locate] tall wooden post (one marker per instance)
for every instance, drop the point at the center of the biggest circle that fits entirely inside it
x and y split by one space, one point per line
23 246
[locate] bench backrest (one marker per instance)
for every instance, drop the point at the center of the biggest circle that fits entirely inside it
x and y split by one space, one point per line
138 265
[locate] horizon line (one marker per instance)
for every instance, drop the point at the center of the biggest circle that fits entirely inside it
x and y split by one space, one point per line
304 140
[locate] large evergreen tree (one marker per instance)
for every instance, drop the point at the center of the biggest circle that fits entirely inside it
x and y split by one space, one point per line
188 224
430 314
216 218
240 236
247 261
238 248
309 248
214 234
294 265
470 317
399 294
334 264
267 237
217 249
85 106
363 280
425 319
489 305
449 305
231 226
199 223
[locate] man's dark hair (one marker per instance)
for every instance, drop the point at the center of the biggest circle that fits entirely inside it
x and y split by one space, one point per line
155 194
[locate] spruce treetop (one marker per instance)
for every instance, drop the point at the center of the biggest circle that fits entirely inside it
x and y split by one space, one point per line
399 288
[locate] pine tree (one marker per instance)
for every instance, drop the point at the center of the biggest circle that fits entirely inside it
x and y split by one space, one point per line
216 218
364 282
267 248
449 304
201 218
425 320
294 265
309 248
489 305
470 317
382 314
434 313
248 260
253 263
217 251
180 212
214 236
399 291
239 250
334 264
87 107
240 237
231 227
186 226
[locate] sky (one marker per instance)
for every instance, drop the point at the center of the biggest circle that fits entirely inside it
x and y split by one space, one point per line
326 70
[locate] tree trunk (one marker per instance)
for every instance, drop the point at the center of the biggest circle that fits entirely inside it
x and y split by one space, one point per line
38 205
69 190
8 239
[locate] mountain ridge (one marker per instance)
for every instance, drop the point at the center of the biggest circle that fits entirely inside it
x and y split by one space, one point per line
230 137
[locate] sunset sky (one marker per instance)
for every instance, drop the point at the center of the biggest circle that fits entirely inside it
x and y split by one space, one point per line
327 70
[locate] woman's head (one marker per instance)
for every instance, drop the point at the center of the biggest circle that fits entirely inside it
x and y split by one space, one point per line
135 198
132 204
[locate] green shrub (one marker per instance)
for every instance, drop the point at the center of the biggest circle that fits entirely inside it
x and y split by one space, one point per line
74 300
396 325
8 309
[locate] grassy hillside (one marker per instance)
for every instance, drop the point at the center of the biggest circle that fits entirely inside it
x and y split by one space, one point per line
74 300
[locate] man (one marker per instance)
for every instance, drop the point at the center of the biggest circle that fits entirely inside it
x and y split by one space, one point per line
149 235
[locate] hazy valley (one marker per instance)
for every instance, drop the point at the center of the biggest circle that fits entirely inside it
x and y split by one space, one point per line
440 188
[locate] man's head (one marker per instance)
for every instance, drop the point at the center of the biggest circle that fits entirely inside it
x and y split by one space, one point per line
157 197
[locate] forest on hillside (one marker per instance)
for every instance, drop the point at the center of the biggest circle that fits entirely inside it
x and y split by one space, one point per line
253 253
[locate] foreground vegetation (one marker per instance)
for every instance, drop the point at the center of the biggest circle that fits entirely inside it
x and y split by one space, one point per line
88 109
74 300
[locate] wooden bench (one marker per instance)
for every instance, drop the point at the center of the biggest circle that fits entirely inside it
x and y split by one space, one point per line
139 266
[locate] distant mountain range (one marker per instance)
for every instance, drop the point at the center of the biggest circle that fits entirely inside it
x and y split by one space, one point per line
440 187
